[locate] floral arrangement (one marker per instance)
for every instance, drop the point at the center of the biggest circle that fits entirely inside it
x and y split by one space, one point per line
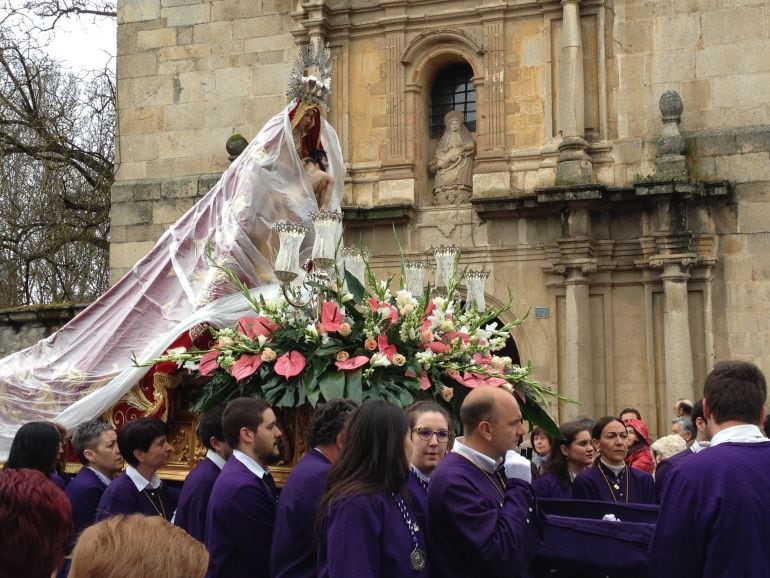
362 343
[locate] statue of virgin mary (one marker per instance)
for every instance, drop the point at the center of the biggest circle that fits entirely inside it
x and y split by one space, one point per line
83 369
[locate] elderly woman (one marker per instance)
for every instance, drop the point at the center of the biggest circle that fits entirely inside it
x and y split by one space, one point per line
666 447
611 480
569 456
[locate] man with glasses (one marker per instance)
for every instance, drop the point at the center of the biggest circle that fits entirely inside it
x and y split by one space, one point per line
481 507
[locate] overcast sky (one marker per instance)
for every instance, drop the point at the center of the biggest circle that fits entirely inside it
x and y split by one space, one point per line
84 44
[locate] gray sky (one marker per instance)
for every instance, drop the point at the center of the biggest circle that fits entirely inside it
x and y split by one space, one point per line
84 44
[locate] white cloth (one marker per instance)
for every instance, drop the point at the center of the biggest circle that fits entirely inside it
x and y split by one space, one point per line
420 476
140 481
104 479
746 433
218 460
252 465
85 368
517 467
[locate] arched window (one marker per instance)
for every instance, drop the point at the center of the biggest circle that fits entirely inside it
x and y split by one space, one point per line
452 90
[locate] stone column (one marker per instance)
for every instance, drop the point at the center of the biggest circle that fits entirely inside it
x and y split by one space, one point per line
574 164
578 353
676 328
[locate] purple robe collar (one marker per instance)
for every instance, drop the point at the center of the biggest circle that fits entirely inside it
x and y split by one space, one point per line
250 464
138 479
218 460
475 457
745 433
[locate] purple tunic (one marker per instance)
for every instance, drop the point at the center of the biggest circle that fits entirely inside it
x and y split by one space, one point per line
122 497
419 499
591 485
194 499
239 524
552 487
294 540
469 533
365 536
84 491
715 517
664 467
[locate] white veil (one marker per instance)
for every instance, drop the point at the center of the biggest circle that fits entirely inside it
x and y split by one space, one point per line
83 369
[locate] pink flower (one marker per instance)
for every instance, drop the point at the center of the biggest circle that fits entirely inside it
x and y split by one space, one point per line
425 383
386 348
374 304
370 344
353 363
331 318
245 366
452 335
268 355
290 364
208 363
253 327
342 356
476 380
447 393
345 329
398 359
438 347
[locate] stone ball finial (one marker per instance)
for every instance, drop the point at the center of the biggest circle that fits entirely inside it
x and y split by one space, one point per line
671 107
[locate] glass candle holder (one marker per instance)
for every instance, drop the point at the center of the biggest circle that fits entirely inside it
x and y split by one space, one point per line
355 259
445 255
290 236
328 232
414 273
476 281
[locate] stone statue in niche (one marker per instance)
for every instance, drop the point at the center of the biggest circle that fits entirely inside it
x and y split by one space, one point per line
452 162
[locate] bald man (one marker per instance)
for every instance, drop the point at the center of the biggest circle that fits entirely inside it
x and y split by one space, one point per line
482 511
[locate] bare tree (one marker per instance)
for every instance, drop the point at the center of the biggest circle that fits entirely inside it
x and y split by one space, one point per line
56 171
49 12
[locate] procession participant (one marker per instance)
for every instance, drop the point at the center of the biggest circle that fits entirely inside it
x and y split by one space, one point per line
611 480
144 445
137 546
638 442
36 446
429 427
293 553
193 504
628 414
716 505
569 456
36 522
367 527
96 446
483 521
241 513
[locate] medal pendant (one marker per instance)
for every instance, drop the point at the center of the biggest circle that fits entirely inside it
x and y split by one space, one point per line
417 559
616 486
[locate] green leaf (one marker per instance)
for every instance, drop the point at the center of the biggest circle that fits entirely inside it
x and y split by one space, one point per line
332 384
354 286
313 395
331 348
288 398
536 415
354 386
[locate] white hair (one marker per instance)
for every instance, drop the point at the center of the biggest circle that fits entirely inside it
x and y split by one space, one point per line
668 446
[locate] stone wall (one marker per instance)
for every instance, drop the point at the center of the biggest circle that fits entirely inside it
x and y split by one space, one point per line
21 327
607 263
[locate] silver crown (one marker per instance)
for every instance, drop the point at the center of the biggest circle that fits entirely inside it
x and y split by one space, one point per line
310 79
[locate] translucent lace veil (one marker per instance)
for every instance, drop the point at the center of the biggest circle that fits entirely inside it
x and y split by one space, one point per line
83 369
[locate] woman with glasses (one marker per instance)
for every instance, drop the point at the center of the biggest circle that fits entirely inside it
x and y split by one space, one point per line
429 427
366 526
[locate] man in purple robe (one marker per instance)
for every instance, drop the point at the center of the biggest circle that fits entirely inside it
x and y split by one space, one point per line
294 547
483 519
715 516
241 514
144 445
196 491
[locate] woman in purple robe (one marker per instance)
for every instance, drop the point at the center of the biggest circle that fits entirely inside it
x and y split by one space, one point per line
611 480
429 427
569 456
36 446
367 527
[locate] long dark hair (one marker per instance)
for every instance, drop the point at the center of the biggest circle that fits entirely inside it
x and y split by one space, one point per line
557 461
35 446
373 459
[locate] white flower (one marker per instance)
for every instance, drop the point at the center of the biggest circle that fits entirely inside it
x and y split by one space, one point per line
347 297
379 360
176 351
261 340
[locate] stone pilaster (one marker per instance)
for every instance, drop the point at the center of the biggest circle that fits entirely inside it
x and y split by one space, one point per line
574 165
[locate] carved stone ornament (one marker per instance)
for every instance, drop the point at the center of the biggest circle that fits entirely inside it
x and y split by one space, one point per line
452 162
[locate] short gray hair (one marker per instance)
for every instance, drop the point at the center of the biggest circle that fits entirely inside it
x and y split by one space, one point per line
86 437
685 424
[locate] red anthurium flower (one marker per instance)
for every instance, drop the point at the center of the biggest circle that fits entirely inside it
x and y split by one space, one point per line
245 366
425 383
353 363
452 335
482 359
290 364
438 347
208 363
475 380
374 304
384 347
253 327
331 318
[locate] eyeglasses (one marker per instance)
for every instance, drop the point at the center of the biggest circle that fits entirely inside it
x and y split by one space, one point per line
425 434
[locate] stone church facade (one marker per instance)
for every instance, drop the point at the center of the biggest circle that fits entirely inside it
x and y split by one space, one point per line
633 226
